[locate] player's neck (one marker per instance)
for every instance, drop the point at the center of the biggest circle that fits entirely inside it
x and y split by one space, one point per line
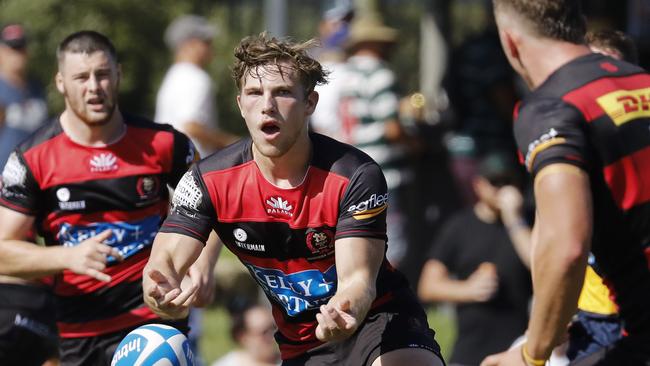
541 63
289 170
98 135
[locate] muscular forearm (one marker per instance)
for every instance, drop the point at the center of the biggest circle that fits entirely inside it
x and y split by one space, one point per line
359 291
27 260
173 257
557 280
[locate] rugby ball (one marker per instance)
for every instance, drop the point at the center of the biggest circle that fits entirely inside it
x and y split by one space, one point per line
153 345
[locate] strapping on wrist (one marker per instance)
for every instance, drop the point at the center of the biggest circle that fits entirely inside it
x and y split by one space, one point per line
529 360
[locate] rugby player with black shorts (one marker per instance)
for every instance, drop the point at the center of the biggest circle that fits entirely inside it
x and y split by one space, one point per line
584 135
94 185
306 215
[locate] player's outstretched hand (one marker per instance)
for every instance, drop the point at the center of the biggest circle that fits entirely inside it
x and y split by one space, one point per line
203 279
91 255
335 322
511 357
167 297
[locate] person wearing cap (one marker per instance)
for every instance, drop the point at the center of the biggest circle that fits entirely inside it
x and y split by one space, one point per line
186 98
333 31
369 108
479 263
23 108
27 325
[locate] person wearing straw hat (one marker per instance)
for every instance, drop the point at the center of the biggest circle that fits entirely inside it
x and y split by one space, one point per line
369 109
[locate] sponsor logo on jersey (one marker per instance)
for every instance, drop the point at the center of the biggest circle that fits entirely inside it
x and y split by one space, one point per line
625 105
320 242
548 139
63 194
103 162
299 291
373 206
278 206
240 234
128 237
240 240
148 187
187 194
14 178
14 173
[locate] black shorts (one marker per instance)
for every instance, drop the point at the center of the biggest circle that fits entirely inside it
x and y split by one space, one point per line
98 350
28 334
628 351
399 324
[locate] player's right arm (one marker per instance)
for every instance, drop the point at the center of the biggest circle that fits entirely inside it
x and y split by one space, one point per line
167 288
163 285
22 259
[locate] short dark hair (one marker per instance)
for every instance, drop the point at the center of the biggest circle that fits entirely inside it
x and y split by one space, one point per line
85 41
556 19
261 50
617 41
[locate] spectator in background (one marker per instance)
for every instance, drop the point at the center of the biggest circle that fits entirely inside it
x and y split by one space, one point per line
186 98
252 329
28 334
369 110
479 262
333 32
22 101
482 93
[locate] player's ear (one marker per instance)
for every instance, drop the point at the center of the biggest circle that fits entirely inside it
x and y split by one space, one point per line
58 80
311 102
241 112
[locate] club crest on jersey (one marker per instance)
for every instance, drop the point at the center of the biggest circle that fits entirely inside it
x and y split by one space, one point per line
103 162
277 206
320 242
148 187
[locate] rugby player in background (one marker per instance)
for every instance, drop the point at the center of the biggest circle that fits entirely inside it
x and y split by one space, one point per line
583 135
94 185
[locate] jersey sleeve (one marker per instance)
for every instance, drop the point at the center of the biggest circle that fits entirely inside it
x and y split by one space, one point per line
362 212
185 154
20 191
191 211
550 131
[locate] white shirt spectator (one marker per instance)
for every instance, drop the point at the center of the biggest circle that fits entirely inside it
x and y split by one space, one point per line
187 95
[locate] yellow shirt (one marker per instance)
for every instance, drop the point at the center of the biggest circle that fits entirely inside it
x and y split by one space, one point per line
595 296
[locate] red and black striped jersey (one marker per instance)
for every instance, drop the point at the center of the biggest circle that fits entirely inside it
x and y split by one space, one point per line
76 192
594 113
285 237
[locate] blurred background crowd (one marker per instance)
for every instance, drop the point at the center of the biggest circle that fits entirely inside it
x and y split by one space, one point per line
420 85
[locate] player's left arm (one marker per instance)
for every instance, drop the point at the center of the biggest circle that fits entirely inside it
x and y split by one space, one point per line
357 264
563 241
